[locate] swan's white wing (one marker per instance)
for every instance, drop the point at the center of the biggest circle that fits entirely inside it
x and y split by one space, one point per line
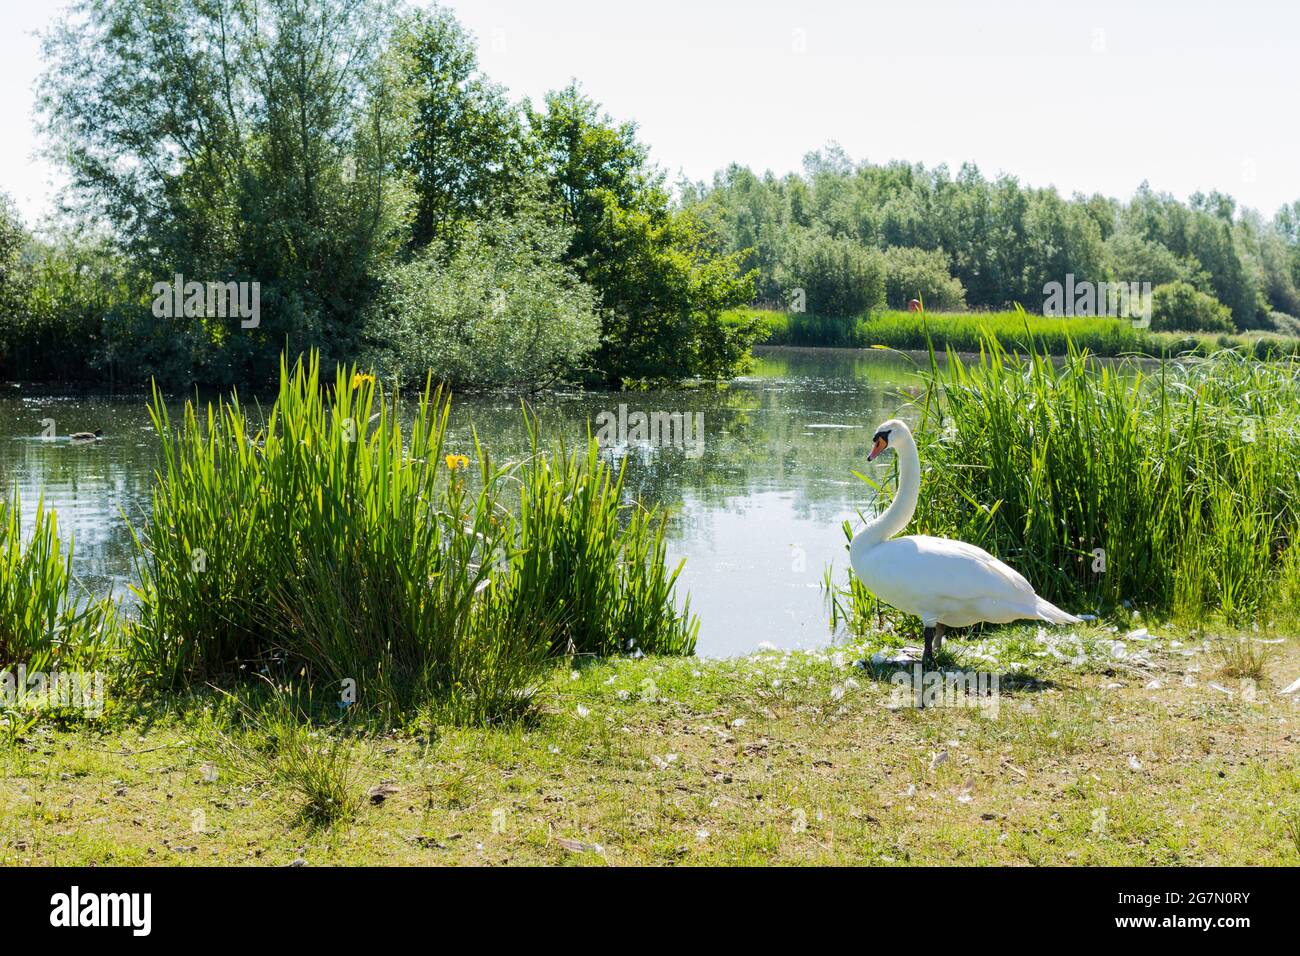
946 581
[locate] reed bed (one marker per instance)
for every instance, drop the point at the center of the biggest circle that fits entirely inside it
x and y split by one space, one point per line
1017 330
334 543
963 332
1177 490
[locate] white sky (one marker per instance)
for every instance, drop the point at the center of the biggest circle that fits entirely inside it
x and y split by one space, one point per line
1087 96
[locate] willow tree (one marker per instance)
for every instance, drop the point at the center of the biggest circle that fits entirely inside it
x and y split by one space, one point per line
235 140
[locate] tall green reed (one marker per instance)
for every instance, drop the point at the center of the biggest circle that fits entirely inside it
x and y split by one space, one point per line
44 621
596 563
1175 488
334 540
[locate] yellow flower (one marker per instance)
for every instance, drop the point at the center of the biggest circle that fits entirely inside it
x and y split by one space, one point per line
457 461
358 378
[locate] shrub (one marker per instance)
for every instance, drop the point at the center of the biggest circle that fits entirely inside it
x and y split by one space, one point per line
1284 324
840 277
489 306
1179 306
921 274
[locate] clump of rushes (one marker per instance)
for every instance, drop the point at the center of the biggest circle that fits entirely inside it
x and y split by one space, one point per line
335 542
598 566
44 623
1177 490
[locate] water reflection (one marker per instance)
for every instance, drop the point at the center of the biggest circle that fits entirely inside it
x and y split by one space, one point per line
756 507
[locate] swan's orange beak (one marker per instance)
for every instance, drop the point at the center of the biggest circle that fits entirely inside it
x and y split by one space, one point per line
876 448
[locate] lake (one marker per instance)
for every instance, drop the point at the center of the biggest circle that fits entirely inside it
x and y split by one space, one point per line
756 498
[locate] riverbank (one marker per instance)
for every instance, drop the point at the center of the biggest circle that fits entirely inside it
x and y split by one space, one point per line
963 331
1112 750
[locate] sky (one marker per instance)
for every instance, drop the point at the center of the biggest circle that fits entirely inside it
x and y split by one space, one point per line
1086 96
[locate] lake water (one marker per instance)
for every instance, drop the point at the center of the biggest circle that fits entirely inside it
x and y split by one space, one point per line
756 502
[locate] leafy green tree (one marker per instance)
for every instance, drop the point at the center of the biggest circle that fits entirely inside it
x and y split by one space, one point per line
237 140
465 146
1133 258
921 274
661 282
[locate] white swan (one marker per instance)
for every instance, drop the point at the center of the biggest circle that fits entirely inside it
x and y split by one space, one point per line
945 583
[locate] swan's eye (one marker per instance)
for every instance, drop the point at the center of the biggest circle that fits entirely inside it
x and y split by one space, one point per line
882 437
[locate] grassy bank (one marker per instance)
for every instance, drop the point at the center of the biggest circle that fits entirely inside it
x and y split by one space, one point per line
1160 754
963 332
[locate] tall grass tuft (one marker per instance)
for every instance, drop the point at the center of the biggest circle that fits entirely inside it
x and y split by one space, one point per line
44 622
596 565
337 539
274 739
1177 490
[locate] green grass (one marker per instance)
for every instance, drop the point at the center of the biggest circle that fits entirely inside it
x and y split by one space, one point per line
773 758
1016 331
277 738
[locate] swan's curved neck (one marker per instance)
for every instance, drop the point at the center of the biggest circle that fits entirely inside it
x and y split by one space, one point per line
901 509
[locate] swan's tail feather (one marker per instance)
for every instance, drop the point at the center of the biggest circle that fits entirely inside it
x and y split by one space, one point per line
1047 611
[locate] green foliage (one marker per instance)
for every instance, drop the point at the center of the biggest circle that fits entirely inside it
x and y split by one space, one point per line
1003 242
44 621
1179 306
661 283
337 152
1187 481
599 569
1133 258
342 543
962 332
276 738
463 144
235 142
921 274
491 305
840 277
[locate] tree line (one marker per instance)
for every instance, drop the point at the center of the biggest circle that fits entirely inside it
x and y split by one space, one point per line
396 208
856 236
392 204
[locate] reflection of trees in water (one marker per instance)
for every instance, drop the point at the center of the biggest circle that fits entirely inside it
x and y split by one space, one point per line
757 432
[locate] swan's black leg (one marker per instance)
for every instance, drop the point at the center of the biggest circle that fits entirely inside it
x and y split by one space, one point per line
927 659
